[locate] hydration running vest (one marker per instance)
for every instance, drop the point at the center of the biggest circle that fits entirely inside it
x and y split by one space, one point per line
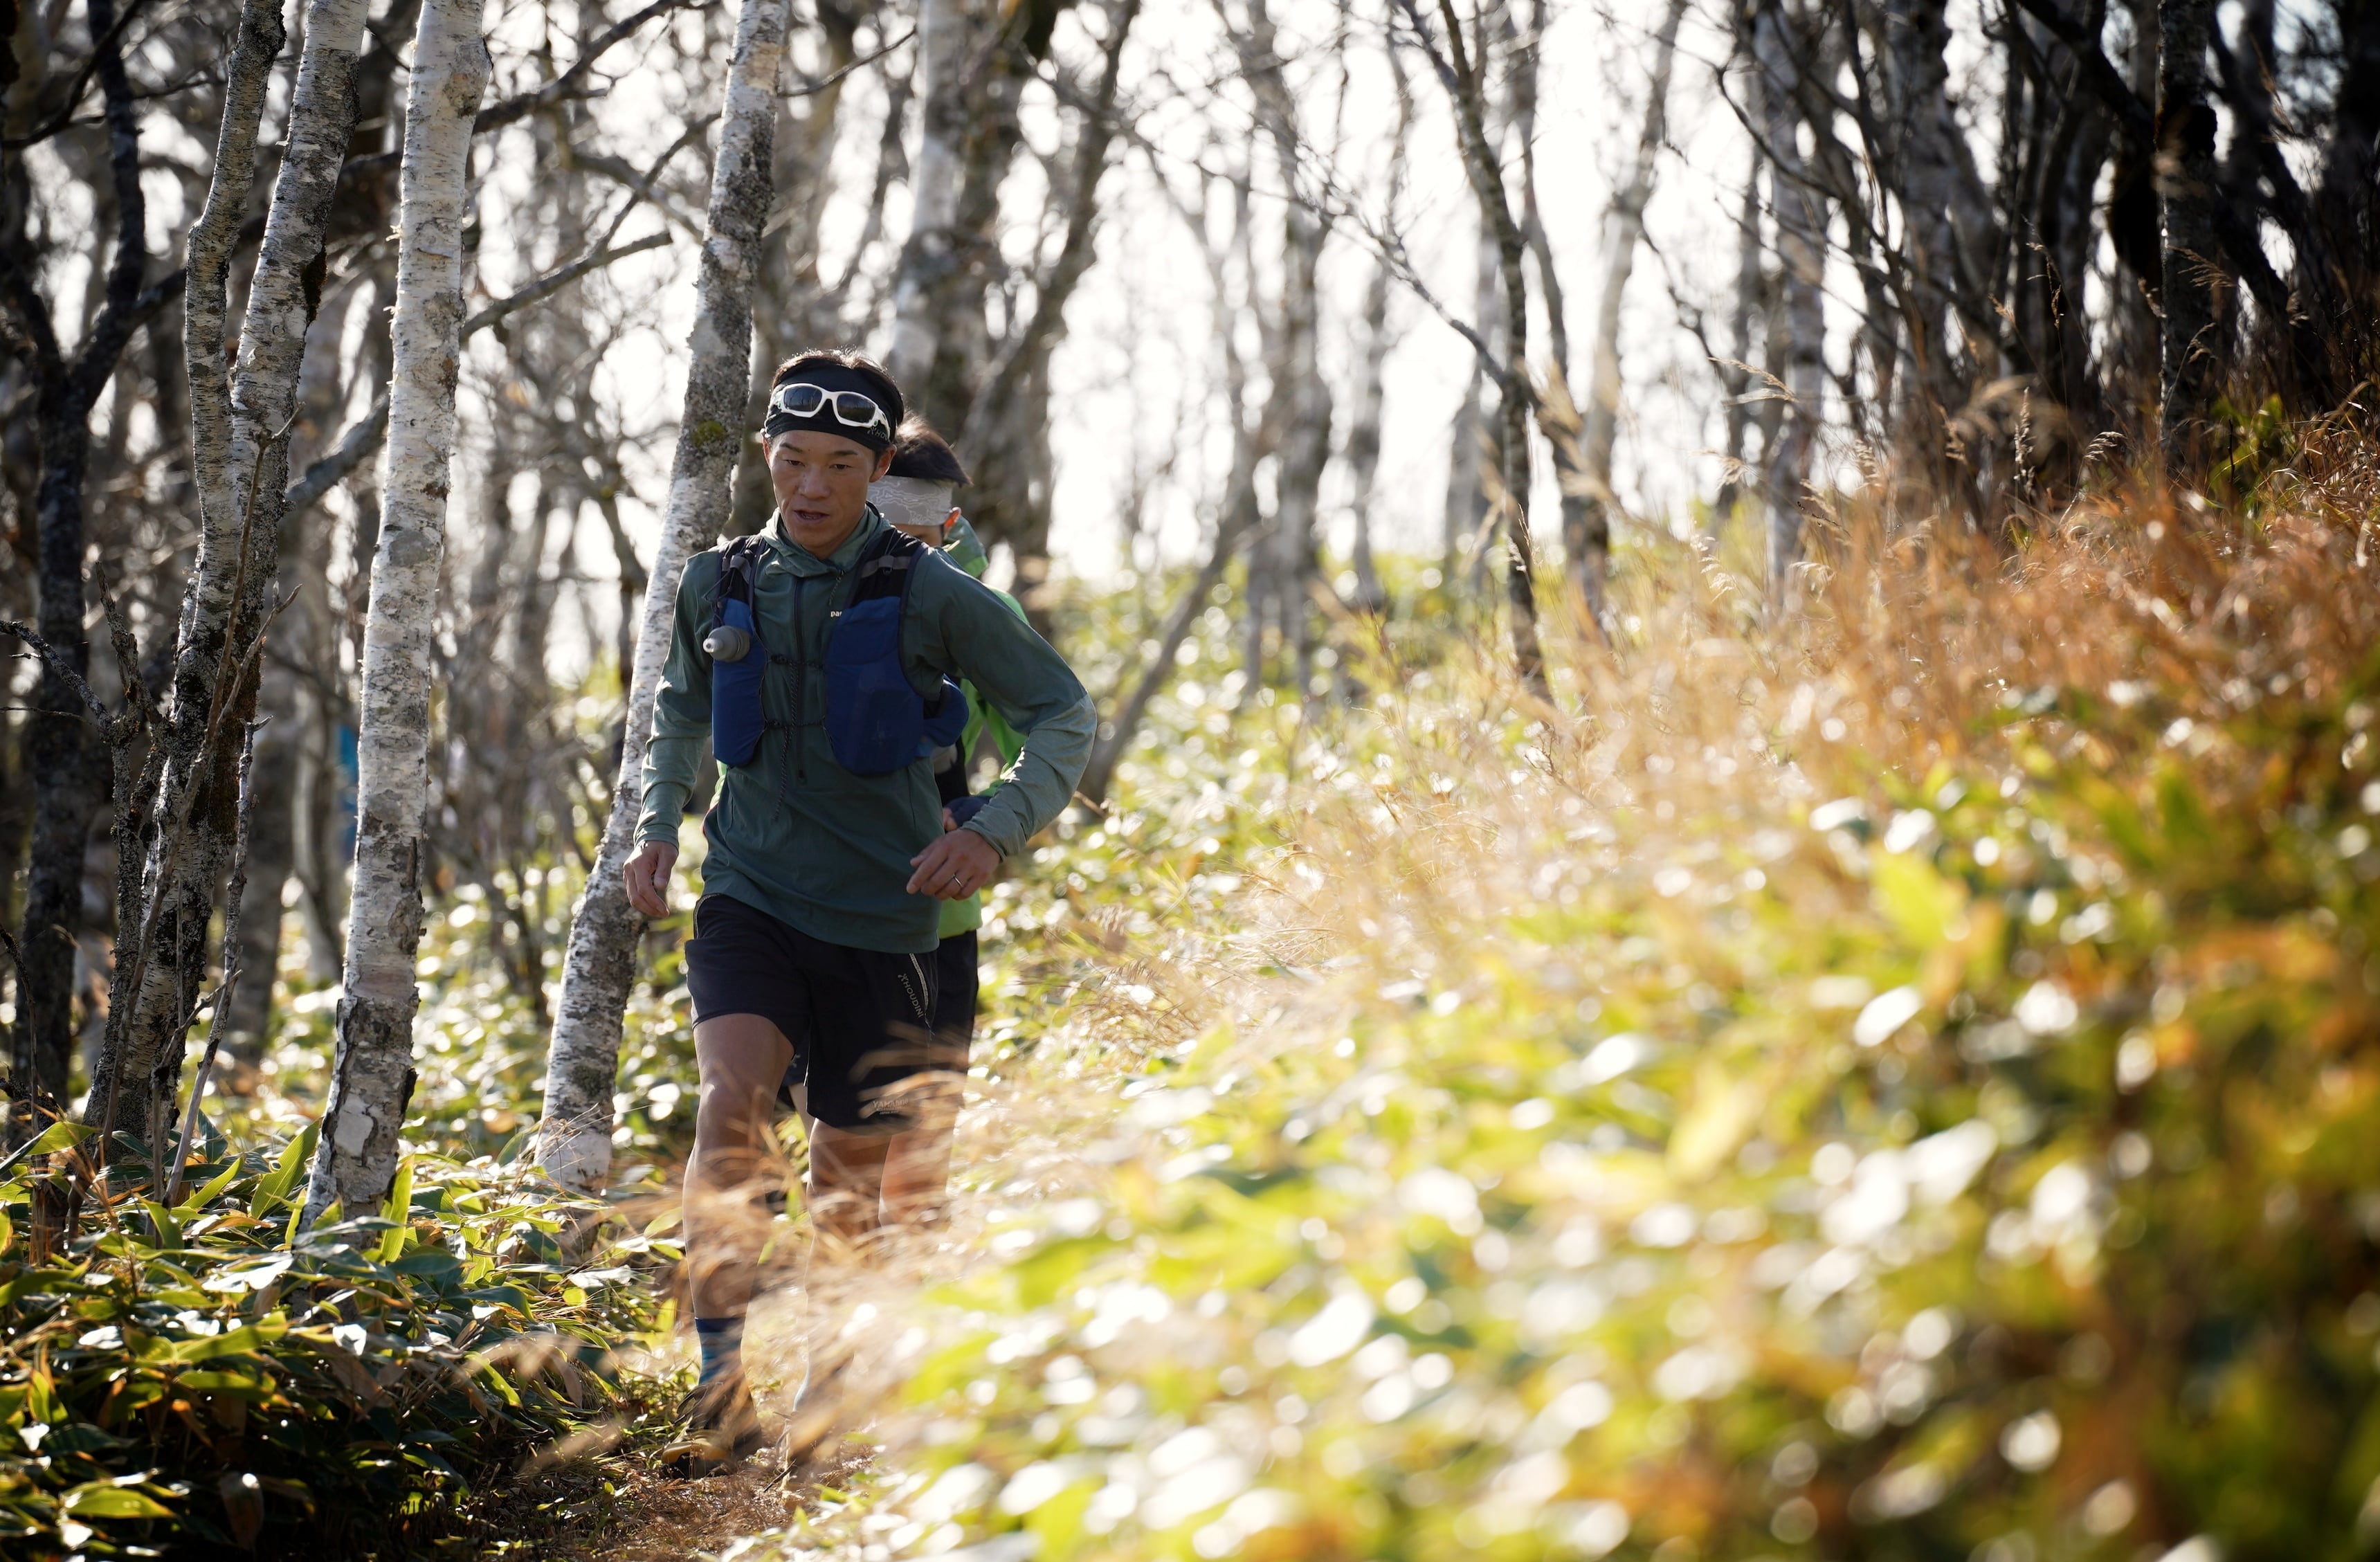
876 722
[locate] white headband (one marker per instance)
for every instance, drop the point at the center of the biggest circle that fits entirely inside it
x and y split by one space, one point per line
913 501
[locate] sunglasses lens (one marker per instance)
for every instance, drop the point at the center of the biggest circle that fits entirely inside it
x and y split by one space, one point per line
851 408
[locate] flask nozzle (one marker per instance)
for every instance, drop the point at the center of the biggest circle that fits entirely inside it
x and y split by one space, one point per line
727 643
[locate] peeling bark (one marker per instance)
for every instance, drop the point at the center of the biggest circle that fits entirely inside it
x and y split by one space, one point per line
372 1076
240 459
575 1142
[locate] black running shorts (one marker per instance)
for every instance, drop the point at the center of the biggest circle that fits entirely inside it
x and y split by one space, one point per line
860 1021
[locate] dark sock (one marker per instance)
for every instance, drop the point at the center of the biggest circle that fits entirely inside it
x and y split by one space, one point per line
723 1347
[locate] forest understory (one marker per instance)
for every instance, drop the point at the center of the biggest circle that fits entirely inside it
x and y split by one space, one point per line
1723 899
1878 1089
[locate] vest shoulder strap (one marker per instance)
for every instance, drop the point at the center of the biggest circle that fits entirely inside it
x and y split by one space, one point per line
739 572
885 567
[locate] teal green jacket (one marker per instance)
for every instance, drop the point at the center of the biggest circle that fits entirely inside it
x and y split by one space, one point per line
967 552
796 835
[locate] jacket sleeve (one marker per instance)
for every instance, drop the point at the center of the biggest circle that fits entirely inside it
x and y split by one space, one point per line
681 706
982 717
969 631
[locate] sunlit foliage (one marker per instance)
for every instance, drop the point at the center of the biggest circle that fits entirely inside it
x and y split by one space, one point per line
1908 1090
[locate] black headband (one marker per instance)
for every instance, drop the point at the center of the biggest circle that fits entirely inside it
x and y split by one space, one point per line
835 378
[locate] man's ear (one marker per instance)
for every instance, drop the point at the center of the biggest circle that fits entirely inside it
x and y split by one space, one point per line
883 464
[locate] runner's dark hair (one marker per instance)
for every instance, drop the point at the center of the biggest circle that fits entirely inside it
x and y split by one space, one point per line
923 454
883 386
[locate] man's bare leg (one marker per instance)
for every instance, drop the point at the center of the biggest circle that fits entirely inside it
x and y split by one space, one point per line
917 1175
847 1180
741 1058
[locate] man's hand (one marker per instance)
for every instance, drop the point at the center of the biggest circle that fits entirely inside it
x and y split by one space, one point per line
649 875
955 867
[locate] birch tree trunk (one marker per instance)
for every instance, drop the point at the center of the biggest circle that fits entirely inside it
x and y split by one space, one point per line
280 743
1800 249
1919 36
1371 381
931 253
1364 440
240 457
1281 571
2188 348
1735 377
1586 524
69 773
1006 435
575 1141
1627 235
371 1075
1465 75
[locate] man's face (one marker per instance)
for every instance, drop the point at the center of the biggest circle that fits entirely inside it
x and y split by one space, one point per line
822 483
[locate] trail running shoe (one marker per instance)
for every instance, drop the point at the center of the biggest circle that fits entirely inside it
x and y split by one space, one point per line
722 1430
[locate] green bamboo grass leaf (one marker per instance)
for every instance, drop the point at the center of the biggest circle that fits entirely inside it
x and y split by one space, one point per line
398 1209
275 1186
211 1191
63 1134
106 1499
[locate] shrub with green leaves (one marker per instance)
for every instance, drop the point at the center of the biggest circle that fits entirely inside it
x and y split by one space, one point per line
207 1373
1908 1090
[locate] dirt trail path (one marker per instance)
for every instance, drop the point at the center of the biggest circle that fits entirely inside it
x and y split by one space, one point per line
613 1508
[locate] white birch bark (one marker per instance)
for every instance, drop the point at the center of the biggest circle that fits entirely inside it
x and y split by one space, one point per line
240 457
1801 251
1364 439
932 246
1627 237
372 1071
575 1141
205 309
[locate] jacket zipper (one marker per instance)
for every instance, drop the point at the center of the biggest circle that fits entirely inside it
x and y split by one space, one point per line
801 687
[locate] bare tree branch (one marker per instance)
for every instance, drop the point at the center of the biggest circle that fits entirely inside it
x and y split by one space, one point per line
363 437
565 87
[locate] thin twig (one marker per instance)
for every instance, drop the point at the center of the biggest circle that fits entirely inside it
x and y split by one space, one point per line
565 87
59 665
65 115
809 88
357 445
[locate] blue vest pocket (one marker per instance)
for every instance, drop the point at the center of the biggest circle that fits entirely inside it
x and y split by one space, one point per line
736 718
874 718
948 723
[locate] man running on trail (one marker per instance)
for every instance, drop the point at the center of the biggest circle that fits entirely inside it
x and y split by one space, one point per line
816 656
918 494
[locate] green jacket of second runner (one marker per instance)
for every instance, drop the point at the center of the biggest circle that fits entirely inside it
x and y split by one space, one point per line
796 835
967 552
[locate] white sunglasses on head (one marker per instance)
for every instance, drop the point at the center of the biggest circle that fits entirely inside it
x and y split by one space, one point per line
852 409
